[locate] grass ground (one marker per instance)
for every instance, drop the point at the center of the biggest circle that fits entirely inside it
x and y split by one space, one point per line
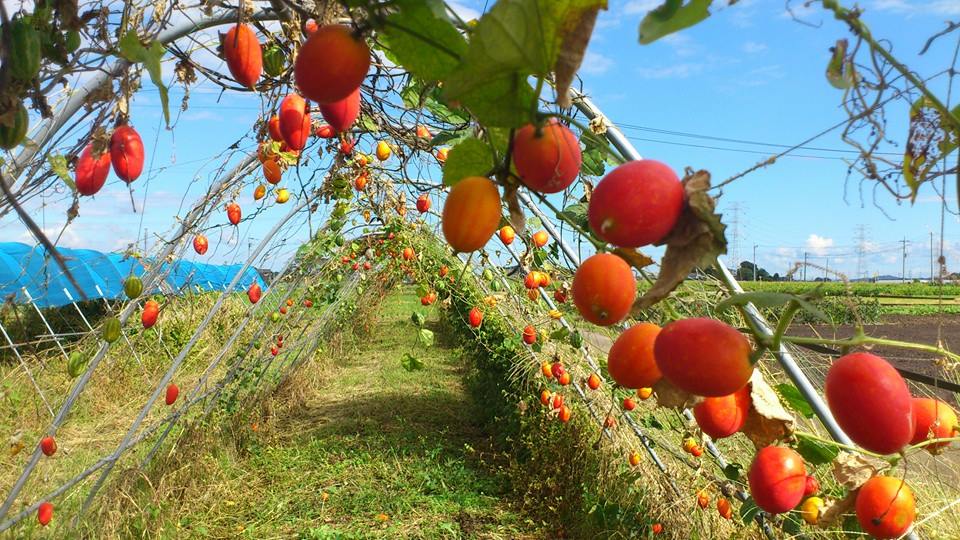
365 449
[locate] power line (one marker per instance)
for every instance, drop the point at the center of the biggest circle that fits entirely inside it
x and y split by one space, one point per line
738 150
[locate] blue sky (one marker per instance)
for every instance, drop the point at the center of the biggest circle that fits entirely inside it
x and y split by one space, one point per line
749 72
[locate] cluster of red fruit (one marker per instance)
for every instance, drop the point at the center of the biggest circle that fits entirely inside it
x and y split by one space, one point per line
125 152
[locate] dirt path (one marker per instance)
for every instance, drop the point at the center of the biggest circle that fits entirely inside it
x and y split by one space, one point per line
373 451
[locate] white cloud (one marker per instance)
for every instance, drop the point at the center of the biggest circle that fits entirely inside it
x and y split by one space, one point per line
681 44
595 63
640 7
819 244
676 71
464 12
752 47
937 7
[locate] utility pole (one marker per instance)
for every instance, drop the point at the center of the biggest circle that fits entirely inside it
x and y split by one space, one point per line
804 265
931 256
903 265
735 233
755 262
861 249
826 269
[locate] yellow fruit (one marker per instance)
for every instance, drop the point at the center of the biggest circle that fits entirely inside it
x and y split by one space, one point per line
644 393
554 314
283 195
260 192
383 151
810 510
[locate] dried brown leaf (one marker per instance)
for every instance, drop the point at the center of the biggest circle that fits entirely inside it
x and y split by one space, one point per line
669 395
695 240
833 511
633 257
575 36
767 420
853 470
517 220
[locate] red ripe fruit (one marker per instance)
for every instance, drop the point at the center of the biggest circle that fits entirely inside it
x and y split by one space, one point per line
234 213
91 173
933 419
243 54
629 404
283 310
408 253
294 121
604 289
545 397
200 244
657 528
310 27
564 379
564 415
254 292
532 280
548 160
560 296
45 513
812 486
273 126
126 153
48 445
529 335
630 360
151 310
723 507
703 356
885 507
325 131
721 417
476 317
777 479
556 369
308 303
636 204
274 350
423 203
367 265
593 381
343 113
871 402
172 393
557 401
346 146
331 64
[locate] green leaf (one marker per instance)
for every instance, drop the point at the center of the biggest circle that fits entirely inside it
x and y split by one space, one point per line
425 336
58 164
840 70
672 16
576 214
515 39
449 137
411 363
417 318
814 310
537 347
472 157
791 524
560 333
748 511
576 340
650 421
761 299
594 162
423 39
815 451
733 471
794 399
131 49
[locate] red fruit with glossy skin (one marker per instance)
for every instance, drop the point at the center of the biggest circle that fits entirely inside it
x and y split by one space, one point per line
476 317
272 171
703 498
657 528
200 244
283 310
885 507
564 379
636 204
507 234
45 513
243 54
777 479
696 451
723 416
294 121
630 361
274 350
343 113
126 153
289 304
408 253
273 127
331 64
91 173
346 146
564 415
870 401
633 459
471 213
532 280
367 265
325 131
547 160
560 296
933 419
545 396
233 213
557 401
604 289
423 203
48 445
529 335
151 310
308 303
811 487
556 369
703 356
629 404
310 27
540 238
173 391
723 508
593 381
360 183
254 292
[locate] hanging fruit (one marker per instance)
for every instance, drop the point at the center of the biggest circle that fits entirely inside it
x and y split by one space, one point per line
11 135
294 121
126 153
233 213
341 114
243 55
91 172
200 244
331 64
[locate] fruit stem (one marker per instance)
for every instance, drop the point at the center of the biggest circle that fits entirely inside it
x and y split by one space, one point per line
792 307
848 447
